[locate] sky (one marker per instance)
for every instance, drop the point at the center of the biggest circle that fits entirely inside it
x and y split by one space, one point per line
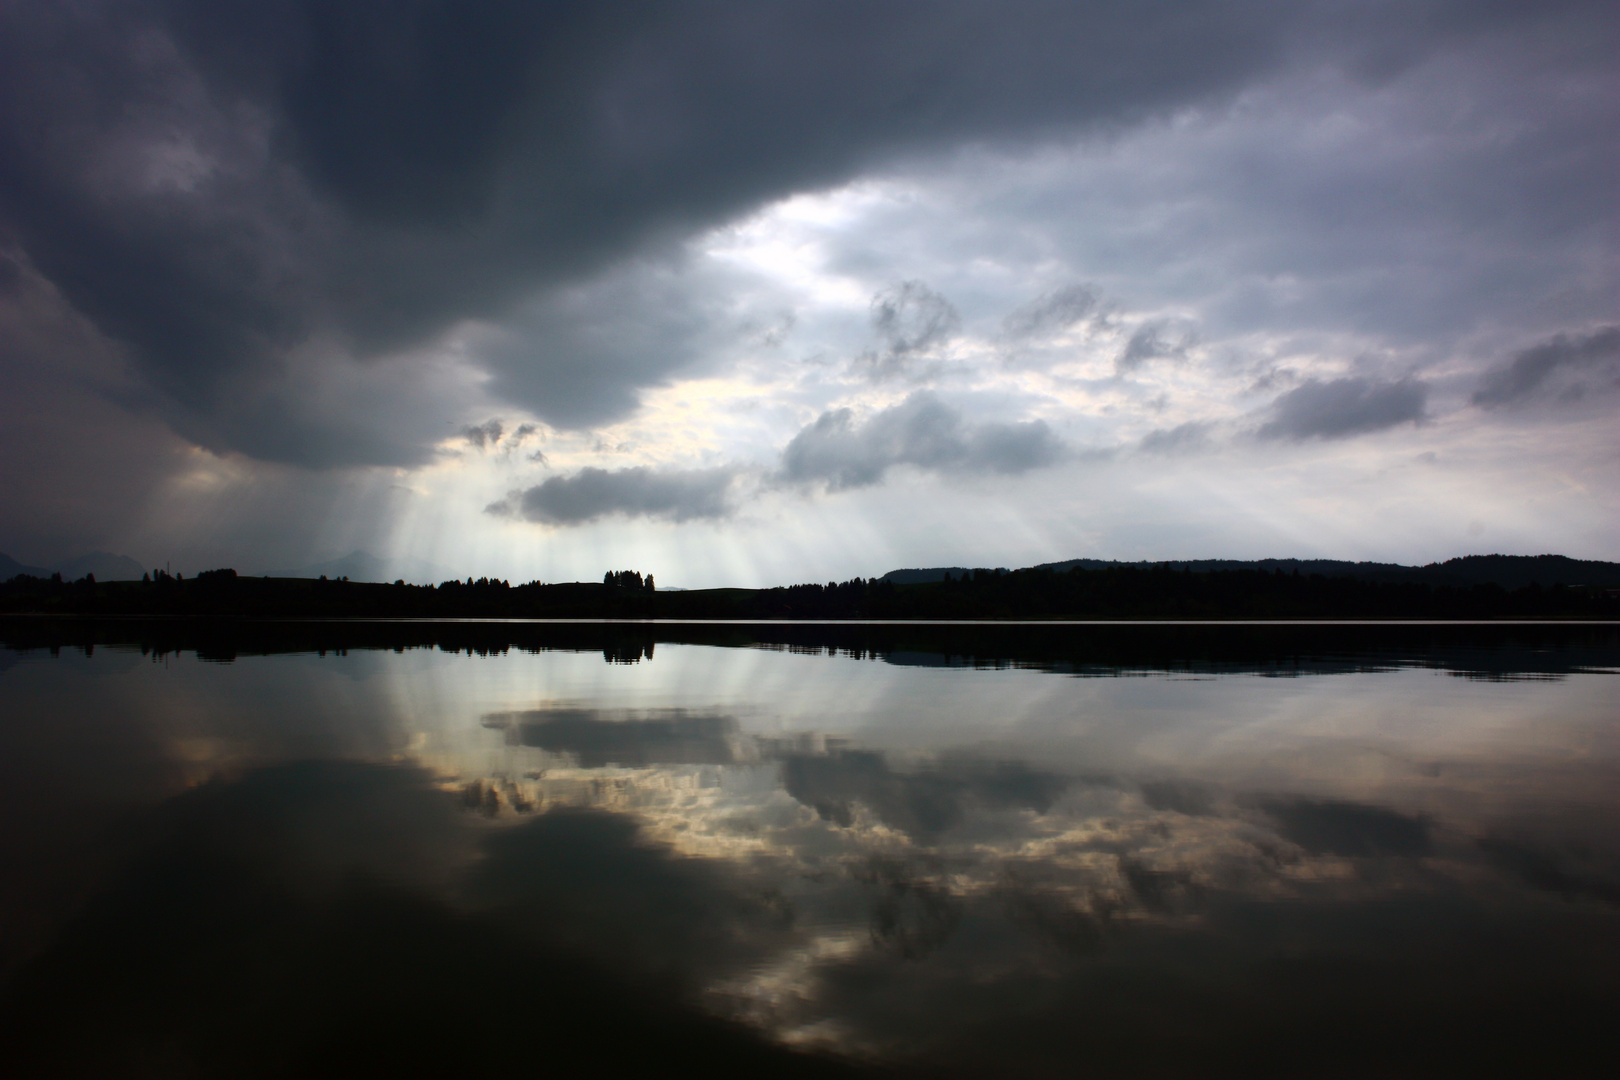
750 294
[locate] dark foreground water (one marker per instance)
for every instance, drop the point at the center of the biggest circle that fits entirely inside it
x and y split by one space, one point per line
292 849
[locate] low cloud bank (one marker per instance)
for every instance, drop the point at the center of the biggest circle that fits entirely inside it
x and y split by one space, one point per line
1345 407
922 431
1529 371
672 494
837 450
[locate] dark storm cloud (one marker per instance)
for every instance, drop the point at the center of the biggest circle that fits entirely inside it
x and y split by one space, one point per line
1530 370
1344 407
59 432
13 276
921 431
591 493
581 354
219 185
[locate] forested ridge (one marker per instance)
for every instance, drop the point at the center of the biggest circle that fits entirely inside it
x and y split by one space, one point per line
1114 592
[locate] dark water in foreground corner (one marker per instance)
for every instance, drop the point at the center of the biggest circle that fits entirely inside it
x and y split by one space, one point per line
800 850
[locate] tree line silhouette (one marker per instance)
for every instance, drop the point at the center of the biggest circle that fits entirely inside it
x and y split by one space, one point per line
1123 592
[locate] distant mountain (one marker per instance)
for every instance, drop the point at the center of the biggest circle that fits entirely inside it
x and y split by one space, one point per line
1508 571
104 564
364 566
10 568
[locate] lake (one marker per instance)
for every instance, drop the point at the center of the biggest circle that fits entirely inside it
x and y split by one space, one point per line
1013 850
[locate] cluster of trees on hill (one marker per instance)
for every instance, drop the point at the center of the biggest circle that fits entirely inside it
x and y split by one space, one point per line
1118 592
628 579
483 585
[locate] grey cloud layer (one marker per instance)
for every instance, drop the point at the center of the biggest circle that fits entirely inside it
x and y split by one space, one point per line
911 320
223 186
585 496
1530 371
1050 313
922 431
1156 339
481 435
1344 407
836 450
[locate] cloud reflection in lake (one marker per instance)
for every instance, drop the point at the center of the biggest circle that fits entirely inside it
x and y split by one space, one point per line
966 869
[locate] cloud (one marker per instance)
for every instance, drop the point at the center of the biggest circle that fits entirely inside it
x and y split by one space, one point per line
580 355
1182 438
591 493
912 321
921 431
1334 827
1180 796
1344 407
593 883
486 434
328 237
1156 339
380 932
62 430
924 803
599 737
1051 313
1530 369
220 185
1553 871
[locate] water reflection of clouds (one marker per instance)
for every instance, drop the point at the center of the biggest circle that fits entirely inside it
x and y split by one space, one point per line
983 869
1051 872
596 737
300 921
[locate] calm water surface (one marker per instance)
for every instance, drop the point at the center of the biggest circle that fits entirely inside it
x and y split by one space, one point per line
978 852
